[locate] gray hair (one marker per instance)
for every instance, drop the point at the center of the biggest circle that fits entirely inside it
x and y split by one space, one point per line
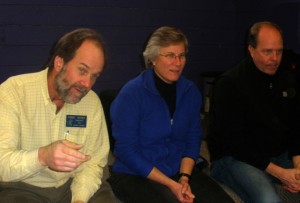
163 37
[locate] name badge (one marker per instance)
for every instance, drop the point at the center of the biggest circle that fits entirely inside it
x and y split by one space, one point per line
78 121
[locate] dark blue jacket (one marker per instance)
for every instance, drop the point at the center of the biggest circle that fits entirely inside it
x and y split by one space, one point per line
146 135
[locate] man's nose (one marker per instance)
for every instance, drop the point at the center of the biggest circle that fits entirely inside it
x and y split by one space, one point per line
86 81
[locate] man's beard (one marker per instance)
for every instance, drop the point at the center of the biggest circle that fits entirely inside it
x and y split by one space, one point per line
63 88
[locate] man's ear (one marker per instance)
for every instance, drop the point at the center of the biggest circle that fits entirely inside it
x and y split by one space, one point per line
58 63
250 49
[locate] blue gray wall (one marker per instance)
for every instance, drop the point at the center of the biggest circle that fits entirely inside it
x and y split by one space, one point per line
215 28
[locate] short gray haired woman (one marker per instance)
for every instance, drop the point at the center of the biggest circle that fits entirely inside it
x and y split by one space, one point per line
156 126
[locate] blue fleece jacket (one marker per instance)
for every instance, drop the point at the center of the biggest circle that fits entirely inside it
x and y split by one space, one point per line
146 135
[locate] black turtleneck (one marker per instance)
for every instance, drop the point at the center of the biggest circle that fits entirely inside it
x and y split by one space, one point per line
271 89
167 91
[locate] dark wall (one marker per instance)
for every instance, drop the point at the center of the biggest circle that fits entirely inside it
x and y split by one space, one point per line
215 28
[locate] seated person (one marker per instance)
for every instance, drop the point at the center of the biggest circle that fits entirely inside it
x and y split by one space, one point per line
254 138
156 126
54 141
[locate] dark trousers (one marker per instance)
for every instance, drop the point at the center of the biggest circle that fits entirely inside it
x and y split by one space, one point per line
136 189
20 192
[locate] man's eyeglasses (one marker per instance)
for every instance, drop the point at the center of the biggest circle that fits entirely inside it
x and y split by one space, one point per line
172 56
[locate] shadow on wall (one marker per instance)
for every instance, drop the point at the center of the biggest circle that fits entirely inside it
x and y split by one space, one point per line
291 61
4 74
287 16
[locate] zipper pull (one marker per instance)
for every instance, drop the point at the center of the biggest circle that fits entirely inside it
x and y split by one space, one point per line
271 85
172 121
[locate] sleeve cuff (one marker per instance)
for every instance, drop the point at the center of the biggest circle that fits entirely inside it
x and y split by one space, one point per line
32 162
82 195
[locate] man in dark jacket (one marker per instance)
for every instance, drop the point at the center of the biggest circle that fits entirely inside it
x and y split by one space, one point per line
254 138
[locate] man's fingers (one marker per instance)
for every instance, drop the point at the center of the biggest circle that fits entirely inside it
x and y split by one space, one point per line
72 150
62 155
69 163
87 157
72 144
